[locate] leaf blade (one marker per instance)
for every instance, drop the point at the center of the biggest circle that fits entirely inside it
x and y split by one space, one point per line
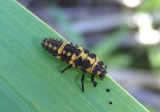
34 75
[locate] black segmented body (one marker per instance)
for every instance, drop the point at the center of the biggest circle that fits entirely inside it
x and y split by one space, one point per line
76 57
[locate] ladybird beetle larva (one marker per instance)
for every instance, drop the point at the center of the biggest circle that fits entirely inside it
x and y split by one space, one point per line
76 57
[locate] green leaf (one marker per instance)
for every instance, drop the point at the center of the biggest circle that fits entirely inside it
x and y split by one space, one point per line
30 78
154 57
148 6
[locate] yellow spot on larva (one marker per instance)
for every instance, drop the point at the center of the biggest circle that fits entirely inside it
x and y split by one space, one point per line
89 69
73 57
68 54
91 60
62 47
50 45
70 62
103 66
55 48
79 67
46 43
80 48
83 55
58 57
98 73
73 65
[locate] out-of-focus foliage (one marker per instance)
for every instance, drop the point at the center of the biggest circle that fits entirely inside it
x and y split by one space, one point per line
66 25
106 48
149 6
152 7
154 57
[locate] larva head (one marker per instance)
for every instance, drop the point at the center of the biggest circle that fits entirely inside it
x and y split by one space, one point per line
103 74
100 69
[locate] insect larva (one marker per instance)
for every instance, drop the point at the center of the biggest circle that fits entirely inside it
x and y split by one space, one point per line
76 57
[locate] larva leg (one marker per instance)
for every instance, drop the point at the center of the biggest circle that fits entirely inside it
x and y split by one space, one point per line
94 82
68 67
82 80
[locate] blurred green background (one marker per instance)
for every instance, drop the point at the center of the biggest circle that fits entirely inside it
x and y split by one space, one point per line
125 34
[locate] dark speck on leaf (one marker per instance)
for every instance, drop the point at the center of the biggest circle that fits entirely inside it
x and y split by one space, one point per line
108 90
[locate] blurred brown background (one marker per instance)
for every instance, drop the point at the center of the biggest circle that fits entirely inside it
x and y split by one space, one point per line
125 34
